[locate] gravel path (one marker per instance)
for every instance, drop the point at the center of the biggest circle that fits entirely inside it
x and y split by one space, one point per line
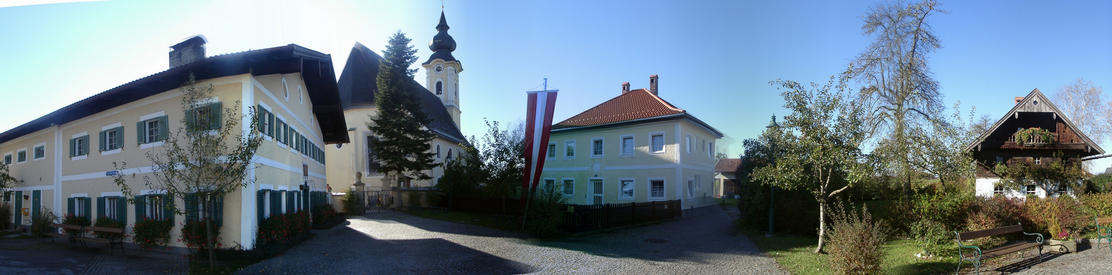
1096 260
702 242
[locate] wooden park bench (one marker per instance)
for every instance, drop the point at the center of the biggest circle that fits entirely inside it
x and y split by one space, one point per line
85 234
1104 230
977 254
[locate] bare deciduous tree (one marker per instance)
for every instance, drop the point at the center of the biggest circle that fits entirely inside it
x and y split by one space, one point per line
1084 104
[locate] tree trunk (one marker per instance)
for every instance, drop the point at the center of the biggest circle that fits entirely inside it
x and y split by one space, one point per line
208 230
822 226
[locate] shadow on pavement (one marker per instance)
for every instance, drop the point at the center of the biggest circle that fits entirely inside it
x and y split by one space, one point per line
348 251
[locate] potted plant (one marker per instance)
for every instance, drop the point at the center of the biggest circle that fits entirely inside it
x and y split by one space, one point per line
1062 242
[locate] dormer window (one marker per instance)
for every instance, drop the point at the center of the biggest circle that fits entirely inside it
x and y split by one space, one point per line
439 86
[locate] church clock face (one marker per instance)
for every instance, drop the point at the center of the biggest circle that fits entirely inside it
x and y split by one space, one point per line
439 68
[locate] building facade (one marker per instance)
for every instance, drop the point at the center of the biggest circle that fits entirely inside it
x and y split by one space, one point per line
635 147
1004 144
73 153
725 177
357 86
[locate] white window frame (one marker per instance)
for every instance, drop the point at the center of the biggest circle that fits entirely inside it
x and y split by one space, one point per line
1030 189
78 144
689 143
602 147
710 149
621 194
564 183
9 158
154 207
621 145
1038 161
25 156
545 185
664 189
147 137
438 151
266 204
569 143
997 189
663 142
110 206
550 151
36 147
78 206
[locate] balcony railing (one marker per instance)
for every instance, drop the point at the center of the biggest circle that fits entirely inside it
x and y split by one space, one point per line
1033 139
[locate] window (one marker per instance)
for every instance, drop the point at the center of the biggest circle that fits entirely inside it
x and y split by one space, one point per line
449 154
657 143
205 117
549 186
153 130
438 151
111 139
79 146
8 158
656 189
1038 160
627 145
1030 189
154 207
439 68
372 164
21 156
625 189
110 208
569 187
569 149
285 89
40 151
280 130
698 182
998 189
596 147
710 149
80 207
439 88
690 188
688 139
596 191
551 151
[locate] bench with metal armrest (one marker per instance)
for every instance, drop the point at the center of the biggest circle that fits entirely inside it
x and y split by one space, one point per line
975 254
1104 230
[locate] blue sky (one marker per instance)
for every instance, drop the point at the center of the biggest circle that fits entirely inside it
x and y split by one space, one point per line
714 58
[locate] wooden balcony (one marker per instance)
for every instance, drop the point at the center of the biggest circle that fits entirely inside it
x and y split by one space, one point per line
1037 142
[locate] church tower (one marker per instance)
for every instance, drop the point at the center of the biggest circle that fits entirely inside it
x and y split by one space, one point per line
442 70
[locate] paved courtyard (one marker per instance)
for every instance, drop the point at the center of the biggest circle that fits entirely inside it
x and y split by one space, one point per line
703 242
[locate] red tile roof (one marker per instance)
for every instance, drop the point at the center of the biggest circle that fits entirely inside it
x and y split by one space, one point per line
727 165
636 104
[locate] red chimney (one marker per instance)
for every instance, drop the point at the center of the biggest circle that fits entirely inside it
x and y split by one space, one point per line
1018 99
625 87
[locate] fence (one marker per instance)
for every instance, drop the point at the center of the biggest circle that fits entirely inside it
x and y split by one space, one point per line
591 217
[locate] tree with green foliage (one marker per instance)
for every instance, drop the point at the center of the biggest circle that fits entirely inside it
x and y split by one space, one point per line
462 175
207 159
6 179
503 156
818 149
399 136
940 148
1054 176
899 86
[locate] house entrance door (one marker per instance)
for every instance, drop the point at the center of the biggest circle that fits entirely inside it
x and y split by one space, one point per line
596 191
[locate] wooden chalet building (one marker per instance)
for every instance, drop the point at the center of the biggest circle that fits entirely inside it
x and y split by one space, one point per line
1033 131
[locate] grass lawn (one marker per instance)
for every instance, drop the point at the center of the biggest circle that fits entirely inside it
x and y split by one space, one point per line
496 221
794 253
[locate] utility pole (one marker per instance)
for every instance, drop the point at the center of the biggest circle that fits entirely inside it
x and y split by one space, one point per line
772 189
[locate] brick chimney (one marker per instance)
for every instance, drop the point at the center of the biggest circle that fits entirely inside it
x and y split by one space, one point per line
653 81
188 51
625 87
1018 99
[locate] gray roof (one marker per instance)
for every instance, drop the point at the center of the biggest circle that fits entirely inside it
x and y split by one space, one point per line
358 85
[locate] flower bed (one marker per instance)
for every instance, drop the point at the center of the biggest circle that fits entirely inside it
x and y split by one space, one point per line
152 233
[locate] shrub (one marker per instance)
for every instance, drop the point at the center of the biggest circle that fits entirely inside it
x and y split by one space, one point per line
855 242
933 238
1098 204
109 222
353 204
75 220
546 214
5 215
42 223
1060 217
152 233
935 214
193 234
323 214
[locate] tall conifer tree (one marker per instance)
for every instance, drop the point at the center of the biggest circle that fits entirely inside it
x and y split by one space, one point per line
400 138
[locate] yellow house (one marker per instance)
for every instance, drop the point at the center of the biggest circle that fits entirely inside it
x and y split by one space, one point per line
357 88
635 147
66 158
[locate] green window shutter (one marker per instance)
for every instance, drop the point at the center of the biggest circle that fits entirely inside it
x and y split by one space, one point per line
73 147
163 128
260 118
270 124
85 145
18 207
191 120
140 128
100 207
36 202
168 208
119 137
121 210
69 206
275 203
103 141
217 115
260 203
140 208
190 208
88 205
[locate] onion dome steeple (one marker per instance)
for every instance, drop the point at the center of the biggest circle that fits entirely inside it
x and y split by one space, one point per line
442 44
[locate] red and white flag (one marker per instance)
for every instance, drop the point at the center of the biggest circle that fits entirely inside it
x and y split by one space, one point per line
538 122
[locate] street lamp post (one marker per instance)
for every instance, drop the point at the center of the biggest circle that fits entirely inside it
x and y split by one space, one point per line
772 189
